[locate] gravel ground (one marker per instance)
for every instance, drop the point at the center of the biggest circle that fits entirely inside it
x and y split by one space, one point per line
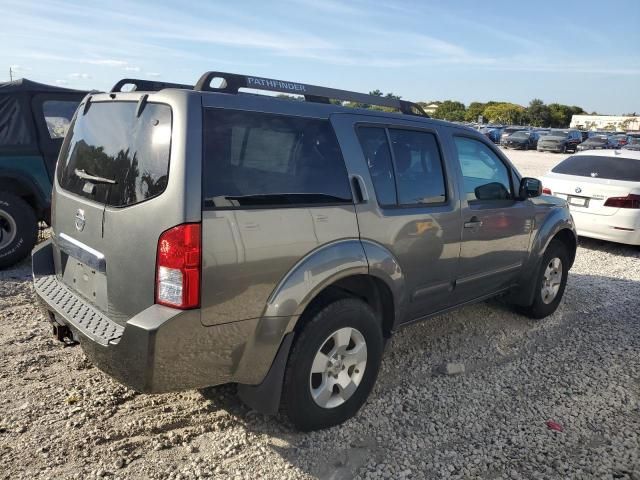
580 368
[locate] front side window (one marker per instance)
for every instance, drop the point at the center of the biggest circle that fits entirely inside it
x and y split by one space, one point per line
58 115
486 177
256 159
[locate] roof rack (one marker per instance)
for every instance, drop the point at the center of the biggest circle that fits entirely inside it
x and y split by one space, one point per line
147 85
232 83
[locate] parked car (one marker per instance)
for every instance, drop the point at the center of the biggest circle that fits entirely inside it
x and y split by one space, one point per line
492 133
522 140
600 142
585 134
618 141
603 191
203 237
33 120
560 141
508 131
633 143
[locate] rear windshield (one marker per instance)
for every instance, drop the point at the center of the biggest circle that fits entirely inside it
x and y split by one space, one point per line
259 160
112 143
610 168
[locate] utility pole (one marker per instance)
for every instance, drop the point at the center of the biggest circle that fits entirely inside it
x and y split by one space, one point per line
11 74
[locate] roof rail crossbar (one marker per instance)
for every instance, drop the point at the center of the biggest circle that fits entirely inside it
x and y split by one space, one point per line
232 83
147 85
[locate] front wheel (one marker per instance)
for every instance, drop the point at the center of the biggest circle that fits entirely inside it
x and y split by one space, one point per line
550 282
333 365
18 229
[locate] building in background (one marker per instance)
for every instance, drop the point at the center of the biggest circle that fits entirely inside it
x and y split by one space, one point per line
605 122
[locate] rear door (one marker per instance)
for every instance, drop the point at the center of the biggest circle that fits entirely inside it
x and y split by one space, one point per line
412 208
496 226
120 183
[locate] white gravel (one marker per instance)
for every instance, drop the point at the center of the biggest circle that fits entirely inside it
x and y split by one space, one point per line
580 368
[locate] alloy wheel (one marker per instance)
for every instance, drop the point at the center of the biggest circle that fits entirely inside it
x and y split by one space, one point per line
338 367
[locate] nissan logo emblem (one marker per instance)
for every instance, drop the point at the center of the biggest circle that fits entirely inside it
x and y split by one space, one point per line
80 220
578 189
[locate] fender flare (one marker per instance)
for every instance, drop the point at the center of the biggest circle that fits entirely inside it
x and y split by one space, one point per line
20 184
312 274
557 220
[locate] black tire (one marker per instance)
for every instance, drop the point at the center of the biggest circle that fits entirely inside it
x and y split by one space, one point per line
17 221
297 401
539 309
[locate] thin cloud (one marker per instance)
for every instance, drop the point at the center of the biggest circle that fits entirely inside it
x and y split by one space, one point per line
83 76
132 69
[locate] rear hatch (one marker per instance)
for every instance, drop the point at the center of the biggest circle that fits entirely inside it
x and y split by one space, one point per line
111 202
588 181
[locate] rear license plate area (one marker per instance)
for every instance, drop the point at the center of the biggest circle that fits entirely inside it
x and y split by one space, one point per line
86 281
578 201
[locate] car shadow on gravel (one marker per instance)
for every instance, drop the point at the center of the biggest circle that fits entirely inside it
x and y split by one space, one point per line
486 337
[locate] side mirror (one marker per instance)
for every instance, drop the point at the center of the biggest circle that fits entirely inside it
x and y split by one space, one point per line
529 188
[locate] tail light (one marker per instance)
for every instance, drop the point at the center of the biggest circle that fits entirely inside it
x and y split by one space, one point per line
630 201
178 266
546 190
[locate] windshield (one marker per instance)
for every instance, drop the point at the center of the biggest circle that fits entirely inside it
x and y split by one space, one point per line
113 156
611 168
520 135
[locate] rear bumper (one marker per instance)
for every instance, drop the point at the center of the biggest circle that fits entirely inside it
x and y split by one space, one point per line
550 148
622 227
161 349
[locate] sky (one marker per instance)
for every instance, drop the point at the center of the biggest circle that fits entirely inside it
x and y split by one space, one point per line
574 52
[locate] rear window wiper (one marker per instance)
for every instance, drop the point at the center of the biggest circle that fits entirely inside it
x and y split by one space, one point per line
93 178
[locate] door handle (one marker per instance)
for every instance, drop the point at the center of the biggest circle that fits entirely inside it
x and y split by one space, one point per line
473 223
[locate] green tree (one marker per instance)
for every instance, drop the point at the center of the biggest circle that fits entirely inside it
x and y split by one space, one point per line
474 110
450 110
507 113
538 113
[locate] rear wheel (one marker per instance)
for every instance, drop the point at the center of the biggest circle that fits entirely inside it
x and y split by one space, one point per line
18 229
333 365
550 282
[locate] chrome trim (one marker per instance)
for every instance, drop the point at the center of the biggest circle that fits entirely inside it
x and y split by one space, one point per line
84 253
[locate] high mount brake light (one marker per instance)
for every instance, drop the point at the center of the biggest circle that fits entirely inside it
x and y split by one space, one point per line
178 266
630 201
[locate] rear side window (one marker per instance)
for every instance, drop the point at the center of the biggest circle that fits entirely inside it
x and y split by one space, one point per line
412 166
13 129
111 142
378 156
419 176
260 160
58 115
610 168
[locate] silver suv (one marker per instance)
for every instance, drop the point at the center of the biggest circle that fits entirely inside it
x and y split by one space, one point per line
202 236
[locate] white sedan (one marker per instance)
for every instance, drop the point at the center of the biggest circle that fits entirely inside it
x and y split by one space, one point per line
602 189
